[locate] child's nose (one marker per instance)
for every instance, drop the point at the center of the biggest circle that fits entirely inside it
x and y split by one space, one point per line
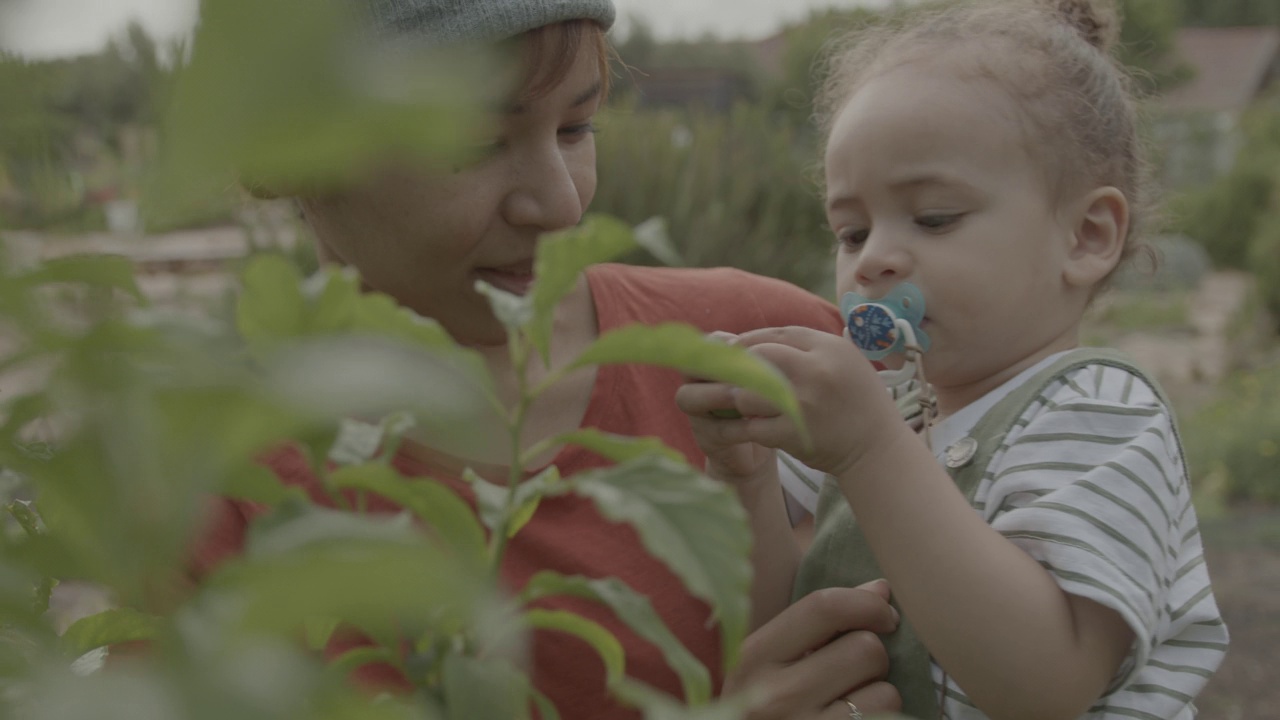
882 263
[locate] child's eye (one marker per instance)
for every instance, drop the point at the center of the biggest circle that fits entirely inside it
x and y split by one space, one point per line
852 239
938 222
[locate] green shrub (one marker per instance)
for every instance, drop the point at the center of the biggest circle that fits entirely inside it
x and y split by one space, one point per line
1179 263
164 412
734 188
1224 216
1233 443
1146 311
1227 215
1264 262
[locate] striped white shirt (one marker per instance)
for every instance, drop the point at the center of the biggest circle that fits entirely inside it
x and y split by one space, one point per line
1091 483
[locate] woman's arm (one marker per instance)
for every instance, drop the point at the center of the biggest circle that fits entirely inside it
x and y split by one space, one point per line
775 551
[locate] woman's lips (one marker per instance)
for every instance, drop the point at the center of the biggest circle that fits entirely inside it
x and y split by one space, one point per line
515 279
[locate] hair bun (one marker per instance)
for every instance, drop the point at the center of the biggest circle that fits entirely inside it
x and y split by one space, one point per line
1097 21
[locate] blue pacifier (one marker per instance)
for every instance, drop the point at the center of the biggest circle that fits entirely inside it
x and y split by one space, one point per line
886 325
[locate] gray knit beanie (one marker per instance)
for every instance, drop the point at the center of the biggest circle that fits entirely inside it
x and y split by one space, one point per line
450 22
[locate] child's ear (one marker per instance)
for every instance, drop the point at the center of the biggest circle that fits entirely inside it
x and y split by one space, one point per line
1098 238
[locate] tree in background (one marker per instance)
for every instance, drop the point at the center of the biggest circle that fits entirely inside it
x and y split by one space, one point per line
119 87
63 125
1228 13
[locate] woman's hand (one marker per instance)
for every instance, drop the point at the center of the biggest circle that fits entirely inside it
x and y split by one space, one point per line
819 655
708 405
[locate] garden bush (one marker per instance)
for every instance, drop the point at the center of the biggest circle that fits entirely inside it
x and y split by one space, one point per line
735 189
148 414
1264 262
1233 443
1176 263
1227 215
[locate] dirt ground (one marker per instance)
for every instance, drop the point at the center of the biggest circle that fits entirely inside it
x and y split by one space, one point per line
1243 552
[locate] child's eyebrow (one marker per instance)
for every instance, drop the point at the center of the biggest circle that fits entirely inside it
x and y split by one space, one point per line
907 183
912 182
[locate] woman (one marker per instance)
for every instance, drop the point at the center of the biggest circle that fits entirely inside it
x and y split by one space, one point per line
425 237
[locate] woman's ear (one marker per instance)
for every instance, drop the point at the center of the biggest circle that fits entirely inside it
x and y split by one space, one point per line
1098 237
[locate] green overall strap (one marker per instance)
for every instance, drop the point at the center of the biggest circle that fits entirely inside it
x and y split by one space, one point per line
841 557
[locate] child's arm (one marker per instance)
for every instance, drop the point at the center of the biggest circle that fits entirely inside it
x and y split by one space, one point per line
995 619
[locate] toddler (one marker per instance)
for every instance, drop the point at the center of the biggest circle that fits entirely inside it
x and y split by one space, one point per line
984 179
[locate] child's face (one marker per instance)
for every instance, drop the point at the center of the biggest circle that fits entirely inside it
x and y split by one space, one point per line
928 181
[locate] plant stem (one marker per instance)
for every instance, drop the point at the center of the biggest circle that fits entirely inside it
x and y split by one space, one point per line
515 424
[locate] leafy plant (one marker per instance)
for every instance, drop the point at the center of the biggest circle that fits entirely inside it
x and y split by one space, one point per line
1227 215
1233 444
156 416
734 189
141 416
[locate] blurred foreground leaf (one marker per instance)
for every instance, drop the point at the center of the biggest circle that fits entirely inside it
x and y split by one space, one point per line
295 95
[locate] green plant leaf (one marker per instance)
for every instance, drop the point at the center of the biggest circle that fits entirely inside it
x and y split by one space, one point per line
357 442
333 294
589 631
684 348
257 484
513 311
318 631
348 662
110 627
546 710
561 259
637 612
238 111
16 583
491 499
692 523
104 271
476 688
23 512
435 504
618 448
378 313
652 236
270 307
657 705
497 509
383 578
529 495
382 587
333 377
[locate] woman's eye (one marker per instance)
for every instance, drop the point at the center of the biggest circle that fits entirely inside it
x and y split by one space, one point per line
938 222
574 132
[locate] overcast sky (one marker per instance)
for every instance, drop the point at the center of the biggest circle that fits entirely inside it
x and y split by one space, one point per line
751 19
44 28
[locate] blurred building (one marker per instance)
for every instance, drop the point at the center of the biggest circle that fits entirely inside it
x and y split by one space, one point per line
1234 68
707 88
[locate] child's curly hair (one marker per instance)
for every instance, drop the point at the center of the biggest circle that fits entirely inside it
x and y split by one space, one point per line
1055 59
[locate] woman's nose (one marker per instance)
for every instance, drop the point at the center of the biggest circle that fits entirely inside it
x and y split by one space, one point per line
548 192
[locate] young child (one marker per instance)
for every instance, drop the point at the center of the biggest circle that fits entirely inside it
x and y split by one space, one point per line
984 179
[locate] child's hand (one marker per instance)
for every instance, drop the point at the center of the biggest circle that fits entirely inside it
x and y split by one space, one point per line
844 404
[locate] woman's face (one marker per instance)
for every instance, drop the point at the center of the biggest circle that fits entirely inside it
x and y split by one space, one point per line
425 237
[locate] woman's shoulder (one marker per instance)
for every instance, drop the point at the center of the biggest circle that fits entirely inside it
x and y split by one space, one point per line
711 298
